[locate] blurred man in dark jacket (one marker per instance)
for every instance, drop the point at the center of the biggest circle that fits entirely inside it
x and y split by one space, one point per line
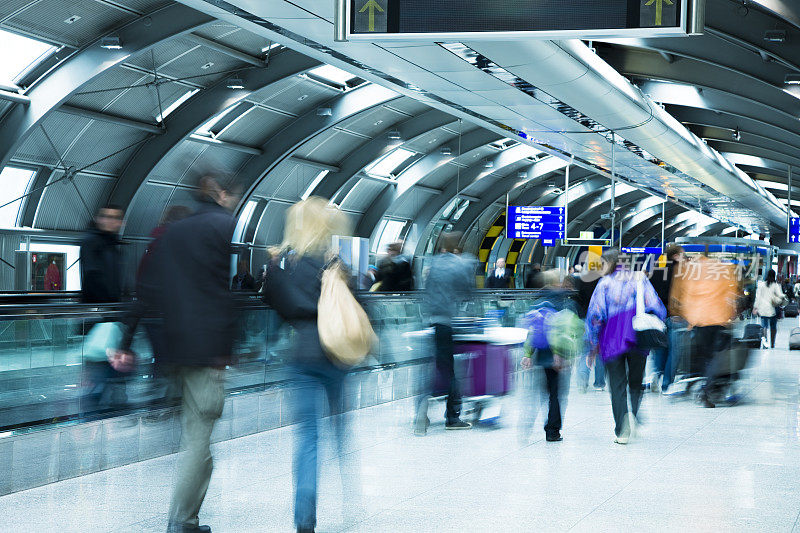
534 278
500 277
189 281
394 271
450 281
665 360
101 263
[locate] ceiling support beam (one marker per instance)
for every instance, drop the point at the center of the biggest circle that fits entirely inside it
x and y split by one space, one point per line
112 119
14 97
227 50
195 112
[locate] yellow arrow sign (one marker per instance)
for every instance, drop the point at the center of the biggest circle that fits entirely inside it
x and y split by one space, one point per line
659 8
372 5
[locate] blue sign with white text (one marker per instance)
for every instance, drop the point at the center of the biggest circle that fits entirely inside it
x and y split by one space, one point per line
535 222
655 250
794 229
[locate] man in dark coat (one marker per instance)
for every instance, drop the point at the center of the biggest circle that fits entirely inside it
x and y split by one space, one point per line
394 271
190 282
499 277
666 359
100 259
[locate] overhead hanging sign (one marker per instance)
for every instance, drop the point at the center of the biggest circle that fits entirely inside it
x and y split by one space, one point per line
497 19
534 222
794 229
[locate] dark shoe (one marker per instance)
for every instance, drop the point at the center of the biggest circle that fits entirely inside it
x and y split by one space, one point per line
706 402
554 438
458 424
305 530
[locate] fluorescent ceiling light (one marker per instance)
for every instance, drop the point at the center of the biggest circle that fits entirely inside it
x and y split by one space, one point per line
20 54
773 185
271 46
111 43
235 83
313 185
793 78
14 183
176 104
244 220
384 166
206 129
332 74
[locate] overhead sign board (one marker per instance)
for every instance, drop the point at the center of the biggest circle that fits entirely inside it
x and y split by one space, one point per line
655 250
587 242
535 222
497 19
794 229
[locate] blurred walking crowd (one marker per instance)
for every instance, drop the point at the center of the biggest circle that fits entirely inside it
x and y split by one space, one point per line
608 318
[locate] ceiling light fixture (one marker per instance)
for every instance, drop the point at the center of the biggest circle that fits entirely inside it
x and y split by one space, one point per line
235 83
111 43
737 135
446 150
488 164
793 78
775 36
324 112
394 135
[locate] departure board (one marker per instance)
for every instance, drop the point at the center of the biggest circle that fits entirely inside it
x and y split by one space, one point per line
375 19
535 222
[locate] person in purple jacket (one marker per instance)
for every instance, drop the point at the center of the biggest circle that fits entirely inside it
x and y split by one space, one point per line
609 327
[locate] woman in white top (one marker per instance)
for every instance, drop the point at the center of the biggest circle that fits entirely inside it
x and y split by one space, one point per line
768 296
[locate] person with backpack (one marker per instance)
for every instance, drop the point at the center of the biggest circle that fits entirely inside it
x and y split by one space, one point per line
609 325
555 337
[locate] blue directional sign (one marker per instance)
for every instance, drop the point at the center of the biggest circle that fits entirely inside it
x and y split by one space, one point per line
794 229
535 222
655 250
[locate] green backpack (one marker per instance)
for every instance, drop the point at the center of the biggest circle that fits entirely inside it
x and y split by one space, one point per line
565 333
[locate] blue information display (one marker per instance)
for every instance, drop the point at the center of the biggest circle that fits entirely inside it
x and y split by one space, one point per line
794 229
534 222
655 250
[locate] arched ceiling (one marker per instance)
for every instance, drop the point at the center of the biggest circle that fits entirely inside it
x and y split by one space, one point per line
729 86
188 94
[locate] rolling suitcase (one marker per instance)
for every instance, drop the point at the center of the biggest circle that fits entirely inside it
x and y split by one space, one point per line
751 337
794 339
790 311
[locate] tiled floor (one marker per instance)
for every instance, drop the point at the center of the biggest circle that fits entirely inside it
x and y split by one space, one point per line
691 469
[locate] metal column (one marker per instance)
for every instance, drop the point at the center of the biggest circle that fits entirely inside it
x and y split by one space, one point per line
613 185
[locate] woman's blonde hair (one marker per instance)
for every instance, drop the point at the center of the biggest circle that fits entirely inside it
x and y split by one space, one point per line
310 226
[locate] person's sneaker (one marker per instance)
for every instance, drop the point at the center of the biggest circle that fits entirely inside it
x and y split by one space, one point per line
554 438
625 435
655 383
458 424
421 426
599 389
184 528
621 440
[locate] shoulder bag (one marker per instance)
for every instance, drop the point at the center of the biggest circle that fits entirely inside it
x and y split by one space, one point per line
650 330
344 328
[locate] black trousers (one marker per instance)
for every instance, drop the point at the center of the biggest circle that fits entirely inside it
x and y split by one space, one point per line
445 366
553 424
625 372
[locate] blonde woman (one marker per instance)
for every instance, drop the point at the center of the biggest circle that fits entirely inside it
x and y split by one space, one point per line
292 287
